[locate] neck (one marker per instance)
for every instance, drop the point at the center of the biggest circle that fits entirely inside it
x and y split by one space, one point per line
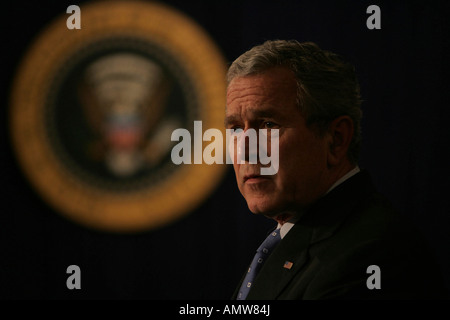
334 177
284 217
338 172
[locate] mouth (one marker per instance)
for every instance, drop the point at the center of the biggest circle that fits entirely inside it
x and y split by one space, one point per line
254 178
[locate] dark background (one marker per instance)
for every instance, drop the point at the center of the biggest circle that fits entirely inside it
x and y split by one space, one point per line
404 82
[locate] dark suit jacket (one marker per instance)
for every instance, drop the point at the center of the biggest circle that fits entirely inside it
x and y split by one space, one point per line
334 243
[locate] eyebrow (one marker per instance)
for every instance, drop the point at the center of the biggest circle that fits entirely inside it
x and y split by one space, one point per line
270 112
230 119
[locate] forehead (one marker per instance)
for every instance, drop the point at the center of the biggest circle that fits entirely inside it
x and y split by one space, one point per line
274 88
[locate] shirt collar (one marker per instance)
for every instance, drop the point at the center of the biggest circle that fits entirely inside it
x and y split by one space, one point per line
284 229
348 175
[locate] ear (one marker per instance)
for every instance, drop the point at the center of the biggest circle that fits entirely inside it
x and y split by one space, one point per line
340 135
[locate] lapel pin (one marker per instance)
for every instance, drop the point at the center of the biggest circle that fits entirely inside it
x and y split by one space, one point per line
288 265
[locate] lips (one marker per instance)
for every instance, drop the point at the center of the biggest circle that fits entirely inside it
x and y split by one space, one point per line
254 178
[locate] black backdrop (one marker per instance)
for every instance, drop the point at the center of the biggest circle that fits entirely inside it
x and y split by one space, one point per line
402 70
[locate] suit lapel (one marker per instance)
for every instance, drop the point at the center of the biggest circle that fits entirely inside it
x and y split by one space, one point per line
273 276
319 223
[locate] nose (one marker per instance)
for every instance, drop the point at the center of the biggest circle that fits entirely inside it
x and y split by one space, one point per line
247 146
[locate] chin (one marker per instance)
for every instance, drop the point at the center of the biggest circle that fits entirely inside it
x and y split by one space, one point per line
263 207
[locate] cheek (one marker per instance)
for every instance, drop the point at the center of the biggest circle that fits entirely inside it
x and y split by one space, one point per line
236 171
304 147
300 160
238 181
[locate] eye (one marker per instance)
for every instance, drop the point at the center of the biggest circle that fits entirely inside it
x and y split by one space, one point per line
233 126
269 124
236 127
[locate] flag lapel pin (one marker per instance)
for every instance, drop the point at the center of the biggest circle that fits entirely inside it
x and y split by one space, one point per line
288 265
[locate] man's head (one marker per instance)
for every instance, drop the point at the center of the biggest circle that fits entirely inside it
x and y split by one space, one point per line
312 97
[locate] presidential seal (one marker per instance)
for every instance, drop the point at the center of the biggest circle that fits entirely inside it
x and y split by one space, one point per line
93 110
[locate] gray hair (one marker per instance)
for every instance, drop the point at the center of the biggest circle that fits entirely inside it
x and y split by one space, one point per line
327 86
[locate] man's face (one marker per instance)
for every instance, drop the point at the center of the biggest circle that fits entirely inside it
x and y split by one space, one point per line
268 101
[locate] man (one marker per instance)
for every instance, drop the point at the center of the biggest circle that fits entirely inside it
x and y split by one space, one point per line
336 236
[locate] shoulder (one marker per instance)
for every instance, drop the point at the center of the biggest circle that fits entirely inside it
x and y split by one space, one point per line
373 233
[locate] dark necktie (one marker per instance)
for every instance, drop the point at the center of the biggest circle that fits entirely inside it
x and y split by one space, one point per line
261 256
